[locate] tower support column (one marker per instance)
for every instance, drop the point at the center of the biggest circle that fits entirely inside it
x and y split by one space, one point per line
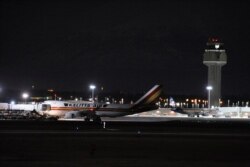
214 57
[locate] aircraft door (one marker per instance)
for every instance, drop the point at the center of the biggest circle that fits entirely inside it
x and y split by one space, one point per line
46 107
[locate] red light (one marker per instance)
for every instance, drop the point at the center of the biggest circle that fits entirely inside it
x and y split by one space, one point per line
213 39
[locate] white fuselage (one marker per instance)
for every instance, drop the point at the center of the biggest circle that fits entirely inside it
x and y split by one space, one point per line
60 108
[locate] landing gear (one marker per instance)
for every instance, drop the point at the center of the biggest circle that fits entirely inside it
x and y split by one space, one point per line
97 119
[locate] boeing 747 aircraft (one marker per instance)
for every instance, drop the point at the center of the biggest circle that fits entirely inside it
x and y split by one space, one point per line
94 111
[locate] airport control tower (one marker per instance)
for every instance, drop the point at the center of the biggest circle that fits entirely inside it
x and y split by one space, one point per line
214 57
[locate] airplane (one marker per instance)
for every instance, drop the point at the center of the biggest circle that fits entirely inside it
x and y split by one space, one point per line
95 110
191 112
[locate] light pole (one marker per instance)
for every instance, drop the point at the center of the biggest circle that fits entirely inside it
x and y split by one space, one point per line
209 88
92 87
11 104
25 96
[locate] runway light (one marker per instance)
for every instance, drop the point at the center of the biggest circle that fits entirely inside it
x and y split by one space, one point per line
217 46
92 87
25 95
209 87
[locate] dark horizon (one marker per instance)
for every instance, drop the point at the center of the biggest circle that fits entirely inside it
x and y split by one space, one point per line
122 45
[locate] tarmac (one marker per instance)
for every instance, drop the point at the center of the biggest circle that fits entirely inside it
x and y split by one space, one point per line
126 141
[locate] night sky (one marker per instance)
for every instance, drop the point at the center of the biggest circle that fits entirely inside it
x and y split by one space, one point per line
122 45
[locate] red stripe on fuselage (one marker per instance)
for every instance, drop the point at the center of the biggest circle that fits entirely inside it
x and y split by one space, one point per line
88 109
72 108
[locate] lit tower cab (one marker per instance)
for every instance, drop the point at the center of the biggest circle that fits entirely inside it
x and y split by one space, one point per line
214 57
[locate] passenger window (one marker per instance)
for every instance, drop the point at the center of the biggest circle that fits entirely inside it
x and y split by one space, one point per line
66 104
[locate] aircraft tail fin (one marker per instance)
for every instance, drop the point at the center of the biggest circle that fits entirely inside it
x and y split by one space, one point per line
150 97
